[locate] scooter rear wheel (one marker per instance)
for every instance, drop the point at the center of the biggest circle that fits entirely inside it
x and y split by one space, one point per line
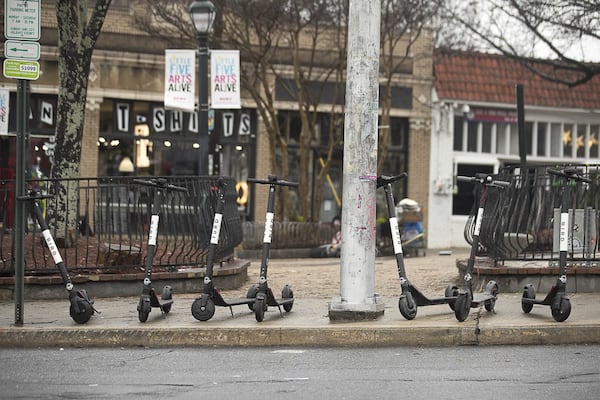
287 293
251 294
167 294
562 312
203 312
491 289
462 306
407 306
259 309
85 311
528 293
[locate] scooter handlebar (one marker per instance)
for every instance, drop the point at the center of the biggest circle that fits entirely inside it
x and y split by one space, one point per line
383 180
484 179
160 183
569 173
35 195
272 180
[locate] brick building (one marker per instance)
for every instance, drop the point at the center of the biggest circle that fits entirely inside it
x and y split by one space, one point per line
125 103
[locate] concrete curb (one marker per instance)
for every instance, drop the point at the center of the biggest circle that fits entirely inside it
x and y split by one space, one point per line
334 336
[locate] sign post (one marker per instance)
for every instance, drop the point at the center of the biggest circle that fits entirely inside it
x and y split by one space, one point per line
22 29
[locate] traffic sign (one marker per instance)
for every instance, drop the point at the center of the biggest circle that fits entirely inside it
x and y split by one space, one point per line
23 50
20 69
22 19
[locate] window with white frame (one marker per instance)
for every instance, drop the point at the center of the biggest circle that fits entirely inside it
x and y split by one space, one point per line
495 131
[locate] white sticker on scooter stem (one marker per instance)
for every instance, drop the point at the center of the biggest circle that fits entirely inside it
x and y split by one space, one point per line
396 235
268 228
216 230
52 246
153 230
478 221
564 232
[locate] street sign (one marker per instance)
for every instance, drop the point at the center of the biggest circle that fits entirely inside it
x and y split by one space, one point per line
22 19
20 69
22 50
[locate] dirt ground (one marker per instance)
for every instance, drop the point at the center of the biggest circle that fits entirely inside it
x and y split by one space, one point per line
320 277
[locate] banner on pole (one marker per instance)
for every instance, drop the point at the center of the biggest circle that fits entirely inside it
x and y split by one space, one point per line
225 79
180 72
4 111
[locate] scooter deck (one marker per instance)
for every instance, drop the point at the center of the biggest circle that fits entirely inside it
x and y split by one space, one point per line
275 302
421 300
234 302
480 299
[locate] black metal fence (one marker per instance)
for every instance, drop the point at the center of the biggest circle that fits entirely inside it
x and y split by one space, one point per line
112 229
520 223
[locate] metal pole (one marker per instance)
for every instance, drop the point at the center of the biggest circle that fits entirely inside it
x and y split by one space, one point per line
357 298
19 227
203 163
521 128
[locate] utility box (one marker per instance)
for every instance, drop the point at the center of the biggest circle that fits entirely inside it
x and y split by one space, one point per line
582 231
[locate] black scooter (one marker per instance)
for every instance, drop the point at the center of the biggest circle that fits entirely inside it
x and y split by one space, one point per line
264 295
465 298
411 297
82 308
149 298
203 308
557 298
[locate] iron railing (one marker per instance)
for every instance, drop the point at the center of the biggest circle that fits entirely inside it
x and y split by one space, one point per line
520 223
112 229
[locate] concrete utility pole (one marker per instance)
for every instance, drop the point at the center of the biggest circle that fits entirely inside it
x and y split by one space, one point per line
357 298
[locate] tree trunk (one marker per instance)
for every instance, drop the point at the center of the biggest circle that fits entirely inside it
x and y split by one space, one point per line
77 38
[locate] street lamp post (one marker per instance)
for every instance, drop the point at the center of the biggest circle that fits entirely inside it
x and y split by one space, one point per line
203 15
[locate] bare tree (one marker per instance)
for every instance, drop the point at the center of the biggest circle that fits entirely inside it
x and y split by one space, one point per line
272 36
554 30
78 30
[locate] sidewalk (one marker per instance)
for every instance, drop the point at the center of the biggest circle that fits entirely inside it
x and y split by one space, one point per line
315 282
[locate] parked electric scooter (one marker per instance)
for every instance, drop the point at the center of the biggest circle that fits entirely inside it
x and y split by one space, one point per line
465 298
82 308
264 295
149 298
557 298
411 297
203 308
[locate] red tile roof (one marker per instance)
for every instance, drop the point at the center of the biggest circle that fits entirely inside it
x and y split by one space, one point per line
490 78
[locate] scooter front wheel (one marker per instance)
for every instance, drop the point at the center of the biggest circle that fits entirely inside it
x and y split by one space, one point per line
144 309
528 293
203 310
562 310
84 312
259 309
251 294
451 291
407 306
167 294
462 306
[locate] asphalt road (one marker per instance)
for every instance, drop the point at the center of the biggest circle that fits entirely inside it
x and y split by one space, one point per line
495 372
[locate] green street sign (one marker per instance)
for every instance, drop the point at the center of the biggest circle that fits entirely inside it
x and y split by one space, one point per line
19 69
